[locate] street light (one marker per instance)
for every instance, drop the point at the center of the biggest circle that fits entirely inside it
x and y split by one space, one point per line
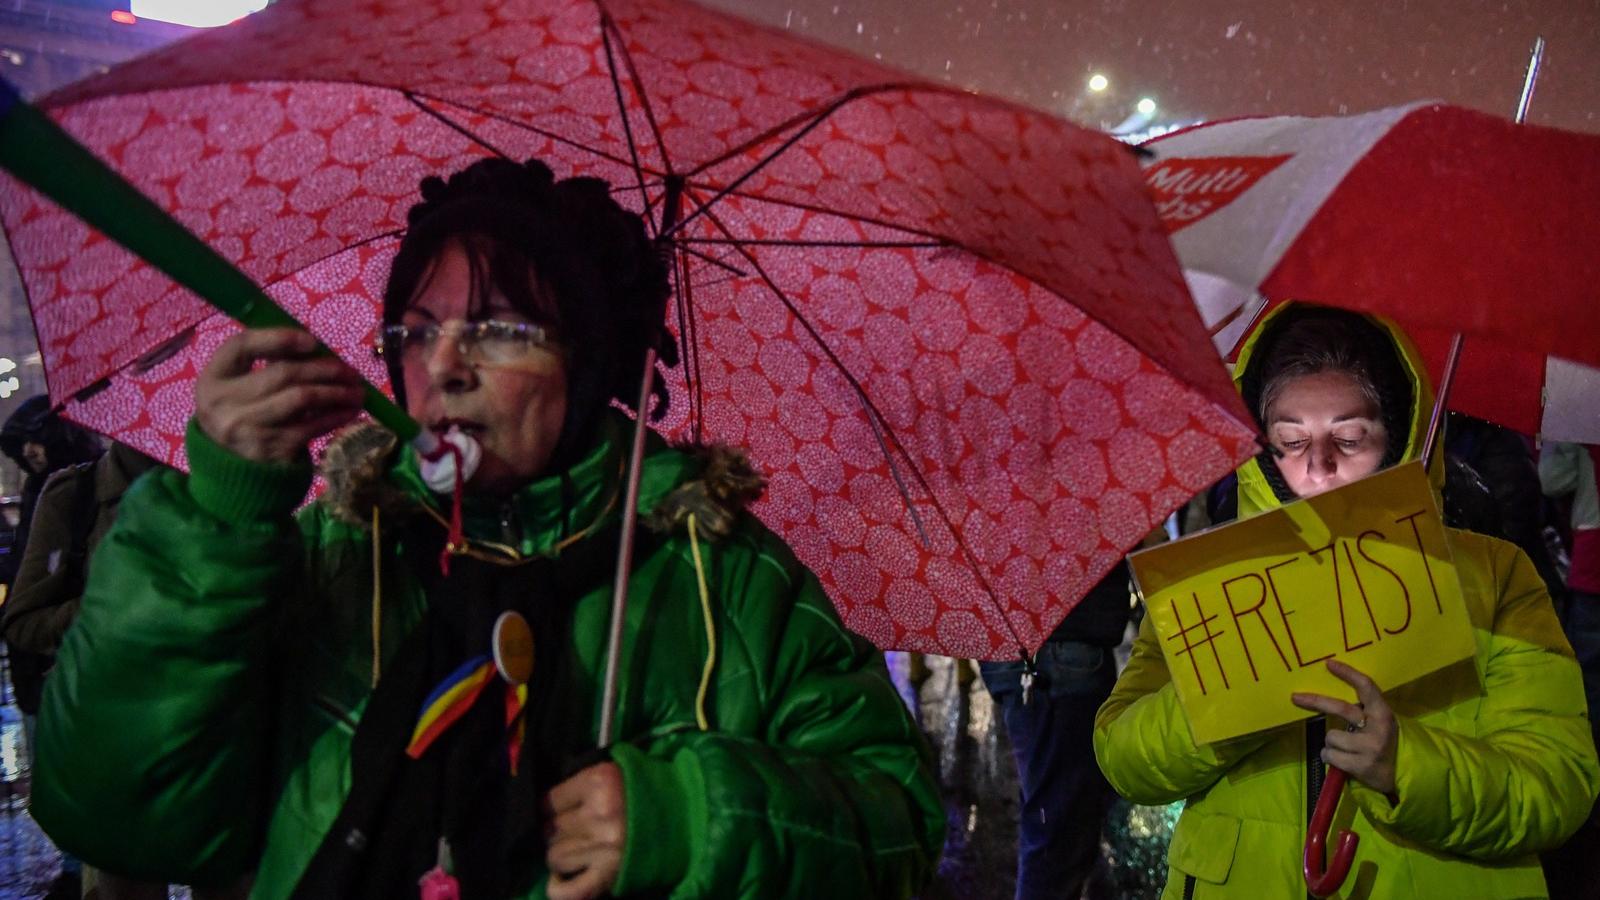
1098 82
1138 120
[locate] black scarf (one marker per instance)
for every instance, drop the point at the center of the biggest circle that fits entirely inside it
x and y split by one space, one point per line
387 833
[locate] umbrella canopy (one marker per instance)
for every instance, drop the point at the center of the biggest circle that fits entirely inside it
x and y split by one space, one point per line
1445 219
949 330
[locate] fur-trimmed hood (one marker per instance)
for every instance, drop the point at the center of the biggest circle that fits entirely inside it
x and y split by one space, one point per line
364 470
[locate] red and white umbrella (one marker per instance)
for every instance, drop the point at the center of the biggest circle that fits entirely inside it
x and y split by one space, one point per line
1447 220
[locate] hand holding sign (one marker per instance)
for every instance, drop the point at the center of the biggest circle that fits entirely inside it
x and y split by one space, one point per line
1367 750
1248 614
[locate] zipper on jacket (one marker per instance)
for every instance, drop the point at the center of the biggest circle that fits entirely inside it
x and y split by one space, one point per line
1316 734
1188 887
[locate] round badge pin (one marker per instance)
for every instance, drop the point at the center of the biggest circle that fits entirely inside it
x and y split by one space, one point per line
513 647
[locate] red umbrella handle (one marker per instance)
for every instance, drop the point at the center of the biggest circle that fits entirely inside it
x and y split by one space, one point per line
1323 882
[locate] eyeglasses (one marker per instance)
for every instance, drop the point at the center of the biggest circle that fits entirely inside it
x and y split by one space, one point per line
487 341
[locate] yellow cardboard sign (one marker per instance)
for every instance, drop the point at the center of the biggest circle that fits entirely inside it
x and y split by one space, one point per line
1247 613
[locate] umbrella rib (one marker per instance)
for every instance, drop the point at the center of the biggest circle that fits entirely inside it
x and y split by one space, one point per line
1227 320
691 342
544 133
609 25
138 363
89 390
454 126
689 328
828 351
751 172
712 260
606 26
709 282
899 480
685 351
933 238
780 242
392 233
941 242
681 243
816 115
889 435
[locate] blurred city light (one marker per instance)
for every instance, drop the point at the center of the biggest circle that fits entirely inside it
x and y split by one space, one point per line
1098 82
197 13
124 17
1139 121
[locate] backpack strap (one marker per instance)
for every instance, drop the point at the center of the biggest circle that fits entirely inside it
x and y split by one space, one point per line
85 509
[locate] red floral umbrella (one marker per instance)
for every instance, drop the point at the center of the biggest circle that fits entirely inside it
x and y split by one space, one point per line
1445 219
949 330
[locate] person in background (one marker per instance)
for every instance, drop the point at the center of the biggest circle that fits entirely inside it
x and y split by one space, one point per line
73 512
1454 788
1567 470
1063 796
40 442
1505 463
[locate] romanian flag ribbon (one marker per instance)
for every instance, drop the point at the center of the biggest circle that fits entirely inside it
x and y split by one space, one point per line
449 702
516 699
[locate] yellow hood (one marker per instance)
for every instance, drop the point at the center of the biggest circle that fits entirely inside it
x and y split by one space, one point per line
1255 493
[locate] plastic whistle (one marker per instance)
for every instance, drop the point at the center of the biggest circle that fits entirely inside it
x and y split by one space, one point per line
437 883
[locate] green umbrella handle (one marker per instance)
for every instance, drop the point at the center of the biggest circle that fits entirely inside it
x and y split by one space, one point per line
38 152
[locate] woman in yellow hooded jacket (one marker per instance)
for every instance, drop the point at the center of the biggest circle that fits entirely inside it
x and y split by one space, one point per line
1454 788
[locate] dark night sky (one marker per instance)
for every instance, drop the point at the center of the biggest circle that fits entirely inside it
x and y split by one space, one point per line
1220 58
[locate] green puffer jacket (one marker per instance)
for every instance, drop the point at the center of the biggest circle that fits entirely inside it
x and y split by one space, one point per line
1486 777
198 725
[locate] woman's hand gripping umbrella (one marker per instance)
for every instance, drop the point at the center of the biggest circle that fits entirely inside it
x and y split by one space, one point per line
1365 751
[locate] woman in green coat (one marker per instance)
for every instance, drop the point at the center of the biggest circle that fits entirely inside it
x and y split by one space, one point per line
1454 790
312 705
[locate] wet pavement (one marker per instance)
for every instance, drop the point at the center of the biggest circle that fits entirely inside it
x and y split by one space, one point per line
28 861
